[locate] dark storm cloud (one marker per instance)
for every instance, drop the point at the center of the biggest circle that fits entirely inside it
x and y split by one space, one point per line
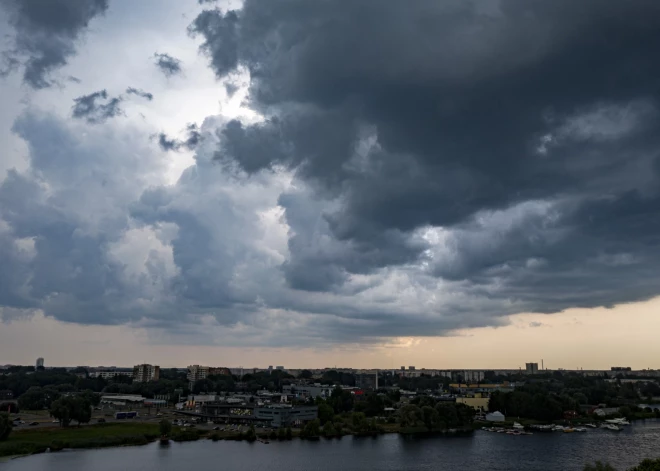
92 109
193 137
46 33
167 64
139 92
407 115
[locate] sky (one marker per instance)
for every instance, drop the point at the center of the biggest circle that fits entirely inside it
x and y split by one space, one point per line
455 184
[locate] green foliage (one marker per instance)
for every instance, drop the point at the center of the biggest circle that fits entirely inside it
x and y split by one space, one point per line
329 430
598 466
5 426
288 434
312 429
647 465
326 413
165 427
38 398
305 374
250 435
341 401
68 408
281 434
430 417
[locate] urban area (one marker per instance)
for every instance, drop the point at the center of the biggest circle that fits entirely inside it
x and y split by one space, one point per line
50 408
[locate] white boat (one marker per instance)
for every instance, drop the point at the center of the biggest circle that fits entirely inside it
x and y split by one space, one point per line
557 428
580 429
612 427
518 426
591 425
619 421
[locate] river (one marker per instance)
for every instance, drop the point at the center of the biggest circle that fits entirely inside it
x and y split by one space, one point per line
481 451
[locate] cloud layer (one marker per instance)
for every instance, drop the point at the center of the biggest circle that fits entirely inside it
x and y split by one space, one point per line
407 169
47 33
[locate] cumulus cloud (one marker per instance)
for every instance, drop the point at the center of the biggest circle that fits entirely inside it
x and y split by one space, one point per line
139 92
409 169
192 139
402 121
92 109
46 34
168 65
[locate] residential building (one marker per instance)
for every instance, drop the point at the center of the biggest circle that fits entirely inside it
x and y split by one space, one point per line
109 374
145 372
312 391
197 372
367 381
621 368
531 368
39 363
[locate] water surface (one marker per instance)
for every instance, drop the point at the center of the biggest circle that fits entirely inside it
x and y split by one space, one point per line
482 451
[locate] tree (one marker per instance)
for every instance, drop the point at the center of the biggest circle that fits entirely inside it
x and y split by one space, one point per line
68 408
165 427
61 410
360 422
81 410
305 374
326 413
410 415
311 429
647 465
37 398
329 430
598 466
431 417
288 434
5 426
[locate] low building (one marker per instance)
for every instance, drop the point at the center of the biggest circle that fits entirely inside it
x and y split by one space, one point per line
279 415
122 399
306 391
145 373
476 402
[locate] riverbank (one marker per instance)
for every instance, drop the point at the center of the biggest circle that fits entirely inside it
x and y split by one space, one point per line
28 442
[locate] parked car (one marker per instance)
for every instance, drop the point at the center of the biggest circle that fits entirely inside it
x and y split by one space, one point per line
216 428
34 423
101 420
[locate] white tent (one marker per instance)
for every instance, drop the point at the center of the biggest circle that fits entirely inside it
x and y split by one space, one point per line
496 416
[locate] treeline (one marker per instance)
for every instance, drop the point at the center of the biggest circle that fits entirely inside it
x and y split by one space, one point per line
646 465
435 415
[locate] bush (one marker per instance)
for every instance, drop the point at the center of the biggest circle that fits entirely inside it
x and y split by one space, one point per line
5 426
165 427
288 434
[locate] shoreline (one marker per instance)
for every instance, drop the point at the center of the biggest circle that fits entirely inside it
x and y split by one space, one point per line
26 443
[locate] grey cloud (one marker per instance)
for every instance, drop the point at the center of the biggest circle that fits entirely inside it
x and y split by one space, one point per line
68 271
47 33
90 108
432 114
139 92
168 65
193 137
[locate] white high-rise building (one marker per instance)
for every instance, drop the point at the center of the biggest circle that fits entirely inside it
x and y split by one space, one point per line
144 373
40 363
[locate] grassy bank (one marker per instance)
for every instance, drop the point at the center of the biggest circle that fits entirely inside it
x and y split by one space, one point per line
26 442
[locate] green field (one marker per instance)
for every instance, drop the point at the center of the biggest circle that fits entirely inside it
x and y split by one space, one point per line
25 442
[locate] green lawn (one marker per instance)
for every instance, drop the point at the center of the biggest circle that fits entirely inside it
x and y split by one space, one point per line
23 442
